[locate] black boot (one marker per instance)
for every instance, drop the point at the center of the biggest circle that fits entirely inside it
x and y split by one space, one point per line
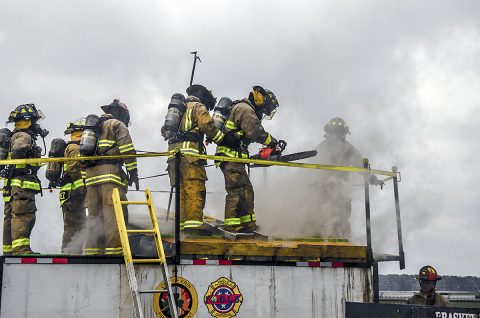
202 230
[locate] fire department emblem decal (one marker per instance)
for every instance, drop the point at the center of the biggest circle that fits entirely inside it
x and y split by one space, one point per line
223 298
185 296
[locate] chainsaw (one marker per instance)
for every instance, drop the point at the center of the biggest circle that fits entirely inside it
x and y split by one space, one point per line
275 154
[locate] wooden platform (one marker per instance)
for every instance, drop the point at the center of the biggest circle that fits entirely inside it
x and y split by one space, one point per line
278 248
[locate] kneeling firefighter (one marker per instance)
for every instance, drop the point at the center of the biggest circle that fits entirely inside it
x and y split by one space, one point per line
242 127
186 123
102 136
22 183
70 177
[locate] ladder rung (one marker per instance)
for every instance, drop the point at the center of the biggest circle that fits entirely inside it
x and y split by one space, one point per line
148 260
153 291
134 202
140 231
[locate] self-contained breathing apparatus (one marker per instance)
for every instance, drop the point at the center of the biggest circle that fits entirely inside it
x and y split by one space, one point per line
5 135
222 111
89 140
175 112
171 129
54 169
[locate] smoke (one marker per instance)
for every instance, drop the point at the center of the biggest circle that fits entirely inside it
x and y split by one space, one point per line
403 75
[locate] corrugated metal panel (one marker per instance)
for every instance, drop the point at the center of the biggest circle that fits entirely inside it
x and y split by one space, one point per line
274 291
68 291
101 290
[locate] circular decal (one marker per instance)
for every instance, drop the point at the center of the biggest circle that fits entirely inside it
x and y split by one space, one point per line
223 298
185 296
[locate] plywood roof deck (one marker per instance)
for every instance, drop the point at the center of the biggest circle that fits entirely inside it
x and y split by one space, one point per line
281 248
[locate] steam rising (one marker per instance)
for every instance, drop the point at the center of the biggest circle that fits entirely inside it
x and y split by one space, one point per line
404 75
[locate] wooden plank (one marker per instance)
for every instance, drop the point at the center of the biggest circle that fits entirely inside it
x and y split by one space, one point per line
283 248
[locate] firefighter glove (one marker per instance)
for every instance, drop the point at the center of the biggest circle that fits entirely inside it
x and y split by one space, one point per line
133 178
273 143
281 145
375 181
4 172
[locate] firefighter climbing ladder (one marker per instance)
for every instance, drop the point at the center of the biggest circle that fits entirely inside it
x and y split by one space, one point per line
127 253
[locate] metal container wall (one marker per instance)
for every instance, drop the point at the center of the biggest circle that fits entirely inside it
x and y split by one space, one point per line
101 290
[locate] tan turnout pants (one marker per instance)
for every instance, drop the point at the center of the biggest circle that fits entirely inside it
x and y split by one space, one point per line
192 191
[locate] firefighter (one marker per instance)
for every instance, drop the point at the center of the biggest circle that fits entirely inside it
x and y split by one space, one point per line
244 124
428 277
333 188
193 123
72 192
22 183
102 176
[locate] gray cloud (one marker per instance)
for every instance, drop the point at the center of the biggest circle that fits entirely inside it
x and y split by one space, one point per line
403 74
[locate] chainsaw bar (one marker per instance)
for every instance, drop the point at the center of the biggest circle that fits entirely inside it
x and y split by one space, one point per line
290 157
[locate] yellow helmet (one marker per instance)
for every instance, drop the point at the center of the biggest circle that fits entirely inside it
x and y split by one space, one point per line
77 125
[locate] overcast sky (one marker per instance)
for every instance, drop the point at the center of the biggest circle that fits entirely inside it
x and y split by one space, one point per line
403 74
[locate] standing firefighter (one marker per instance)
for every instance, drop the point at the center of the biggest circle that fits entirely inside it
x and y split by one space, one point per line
333 188
72 186
242 127
22 182
107 135
186 123
428 277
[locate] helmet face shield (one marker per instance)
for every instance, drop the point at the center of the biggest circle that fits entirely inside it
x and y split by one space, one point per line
269 117
40 115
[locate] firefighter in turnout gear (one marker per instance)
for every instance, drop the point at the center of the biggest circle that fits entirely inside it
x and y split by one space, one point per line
243 126
22 183
194 121
333 188
102 176
72 192
428 278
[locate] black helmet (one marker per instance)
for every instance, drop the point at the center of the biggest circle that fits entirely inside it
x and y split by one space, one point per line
118 110
264 100
202 93
428 273
25 111
336 127
77 125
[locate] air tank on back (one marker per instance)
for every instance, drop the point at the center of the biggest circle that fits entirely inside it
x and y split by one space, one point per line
88 142
176 108
5 135
57 150
221 112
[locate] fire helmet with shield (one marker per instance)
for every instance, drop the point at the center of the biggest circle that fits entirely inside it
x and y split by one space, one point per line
265 102
336 127
428 273
77 125
25 112
118 110
201 92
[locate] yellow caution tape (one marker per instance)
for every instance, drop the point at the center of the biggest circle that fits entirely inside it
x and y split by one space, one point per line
64 159
294 164
206 157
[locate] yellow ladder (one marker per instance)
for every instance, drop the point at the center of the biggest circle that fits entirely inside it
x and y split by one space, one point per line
127 253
